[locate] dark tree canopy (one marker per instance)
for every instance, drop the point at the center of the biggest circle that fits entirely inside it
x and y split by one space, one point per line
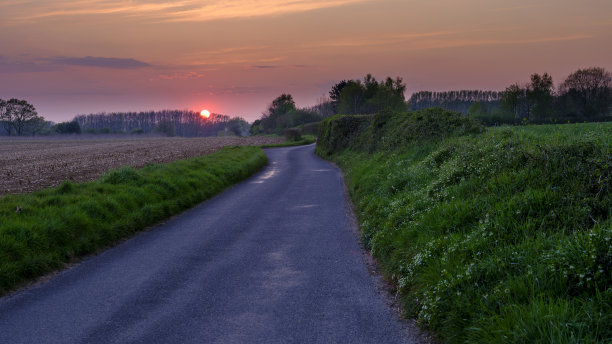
586 93
282 114
370 96
19 116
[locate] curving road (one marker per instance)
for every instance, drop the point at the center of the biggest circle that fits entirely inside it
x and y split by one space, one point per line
271 260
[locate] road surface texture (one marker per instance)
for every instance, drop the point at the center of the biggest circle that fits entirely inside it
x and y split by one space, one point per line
271 260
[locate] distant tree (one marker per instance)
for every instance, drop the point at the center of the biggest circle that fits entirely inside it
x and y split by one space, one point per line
540 96
38 125
166 127
238 126
72 127
5 119
511 100
352 98
256 127
371 96
459 101
18 115
336 93
280 106
324 107
586 93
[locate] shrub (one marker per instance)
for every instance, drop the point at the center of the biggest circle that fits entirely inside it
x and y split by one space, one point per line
293 134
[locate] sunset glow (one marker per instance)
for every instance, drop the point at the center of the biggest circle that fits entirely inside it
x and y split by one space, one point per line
205 113
71 57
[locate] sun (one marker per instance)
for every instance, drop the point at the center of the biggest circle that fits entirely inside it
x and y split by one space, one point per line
205 113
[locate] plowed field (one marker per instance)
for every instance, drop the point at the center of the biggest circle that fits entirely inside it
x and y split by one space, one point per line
28 165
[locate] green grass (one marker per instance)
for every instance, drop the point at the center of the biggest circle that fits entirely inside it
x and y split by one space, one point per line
306 140
499 237
58 225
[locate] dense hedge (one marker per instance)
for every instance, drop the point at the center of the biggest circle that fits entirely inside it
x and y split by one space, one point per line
389 130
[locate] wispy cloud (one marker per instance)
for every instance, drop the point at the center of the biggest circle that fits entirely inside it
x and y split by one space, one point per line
170 11
436 40
263 67
101 62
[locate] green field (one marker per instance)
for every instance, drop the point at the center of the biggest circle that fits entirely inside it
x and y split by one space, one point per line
43 231
498 235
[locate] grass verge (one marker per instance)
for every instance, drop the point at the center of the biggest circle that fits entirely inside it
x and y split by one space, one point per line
503 236
43 231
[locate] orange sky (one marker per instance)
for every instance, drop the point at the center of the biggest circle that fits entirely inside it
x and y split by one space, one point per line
235 56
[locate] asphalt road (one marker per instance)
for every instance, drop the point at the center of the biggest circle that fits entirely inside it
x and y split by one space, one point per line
271 260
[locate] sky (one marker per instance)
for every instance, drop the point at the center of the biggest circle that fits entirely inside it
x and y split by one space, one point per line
233 57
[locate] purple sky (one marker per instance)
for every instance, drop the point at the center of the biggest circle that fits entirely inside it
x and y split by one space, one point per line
235 56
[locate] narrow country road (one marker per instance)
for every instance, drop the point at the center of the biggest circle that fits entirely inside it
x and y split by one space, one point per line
271 260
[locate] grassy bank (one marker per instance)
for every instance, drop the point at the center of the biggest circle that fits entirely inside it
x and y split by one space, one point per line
42 231
503 236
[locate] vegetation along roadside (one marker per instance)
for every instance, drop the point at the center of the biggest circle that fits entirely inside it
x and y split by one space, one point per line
42 231
497 235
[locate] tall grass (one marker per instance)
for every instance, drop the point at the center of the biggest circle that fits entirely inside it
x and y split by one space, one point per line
499 237
42 231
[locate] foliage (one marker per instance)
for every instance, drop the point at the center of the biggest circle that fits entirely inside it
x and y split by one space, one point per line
283 114
67 128
389 130
20 117
585 96
293 134
499 237
586 93
165 127
56 226
238 126
369 96
335 94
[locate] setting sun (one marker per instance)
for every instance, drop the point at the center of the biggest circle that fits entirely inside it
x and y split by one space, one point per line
205 113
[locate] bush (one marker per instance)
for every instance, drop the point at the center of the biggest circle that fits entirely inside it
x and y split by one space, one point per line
293 134
67 128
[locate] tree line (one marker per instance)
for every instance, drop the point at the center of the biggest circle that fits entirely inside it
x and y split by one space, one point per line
584 96
459 101
168 122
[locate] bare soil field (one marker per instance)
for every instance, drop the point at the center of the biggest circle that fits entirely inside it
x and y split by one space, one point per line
28 165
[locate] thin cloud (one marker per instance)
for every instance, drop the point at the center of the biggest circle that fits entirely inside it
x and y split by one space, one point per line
263 67
434 40
229 9
101 62
178 11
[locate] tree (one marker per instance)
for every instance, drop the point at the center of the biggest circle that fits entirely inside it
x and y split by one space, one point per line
540 96
272 118
586 92
67 128
238 126
18 115
352 98
371 96
166 127
336 93
5 119
511 100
